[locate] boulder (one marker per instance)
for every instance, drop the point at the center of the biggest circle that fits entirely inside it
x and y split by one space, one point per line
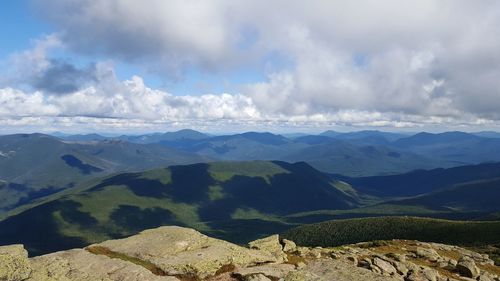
186 252
385 267
289 246
14 263
467 267
430 274
270 245
427 253
401 268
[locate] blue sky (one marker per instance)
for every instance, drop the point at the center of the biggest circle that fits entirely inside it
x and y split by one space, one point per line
125 66
19 26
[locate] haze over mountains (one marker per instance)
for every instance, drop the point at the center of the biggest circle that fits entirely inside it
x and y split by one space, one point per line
361 153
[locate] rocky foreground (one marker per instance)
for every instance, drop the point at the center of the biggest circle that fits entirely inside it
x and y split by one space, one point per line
176 253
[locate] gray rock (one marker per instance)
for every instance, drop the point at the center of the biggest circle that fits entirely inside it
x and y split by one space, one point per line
415 276
184 251
467 267
256 277
365 263
14 263
385 267
81 265
271 270
270 244
315 253
430 274
289 246
401 268
353 259
300 265
484 277
427 253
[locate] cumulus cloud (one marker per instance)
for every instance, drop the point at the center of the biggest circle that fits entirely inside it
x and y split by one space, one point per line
35 69
368 63
111 98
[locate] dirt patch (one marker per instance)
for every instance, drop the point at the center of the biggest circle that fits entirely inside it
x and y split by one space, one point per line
99 250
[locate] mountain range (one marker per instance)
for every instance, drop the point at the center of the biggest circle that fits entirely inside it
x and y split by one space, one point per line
81 189
362 153
240 201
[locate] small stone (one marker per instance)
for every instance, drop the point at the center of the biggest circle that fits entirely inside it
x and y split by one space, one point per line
300 265
365 263
353 259
303 251
256 277
415 276
484 278
334 256
315 253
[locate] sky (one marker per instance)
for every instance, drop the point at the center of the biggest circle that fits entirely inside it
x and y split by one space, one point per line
130 66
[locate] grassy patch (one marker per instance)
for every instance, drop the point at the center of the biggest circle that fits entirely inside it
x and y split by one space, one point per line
162 175
68 229
295 259
101 204
99 250
224 171
215 192
251 214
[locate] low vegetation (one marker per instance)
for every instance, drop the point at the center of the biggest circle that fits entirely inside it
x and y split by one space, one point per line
99 250
349 231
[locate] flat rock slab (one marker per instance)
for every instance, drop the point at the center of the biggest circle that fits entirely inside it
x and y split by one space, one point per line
186 252
81 265
269 270
338 270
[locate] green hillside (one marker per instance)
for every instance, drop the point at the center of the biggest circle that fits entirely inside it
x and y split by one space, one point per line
341 232
474 196
347 158
36 165
422 181
223 199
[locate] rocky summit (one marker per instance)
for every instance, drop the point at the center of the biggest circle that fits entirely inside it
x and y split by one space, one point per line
177 253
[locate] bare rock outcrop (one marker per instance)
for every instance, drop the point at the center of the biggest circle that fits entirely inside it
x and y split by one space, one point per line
82 265
176 253
14 263
179 251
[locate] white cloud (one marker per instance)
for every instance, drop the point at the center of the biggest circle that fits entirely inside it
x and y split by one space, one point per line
367 63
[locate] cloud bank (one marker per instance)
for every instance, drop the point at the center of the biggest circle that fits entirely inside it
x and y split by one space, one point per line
357 63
